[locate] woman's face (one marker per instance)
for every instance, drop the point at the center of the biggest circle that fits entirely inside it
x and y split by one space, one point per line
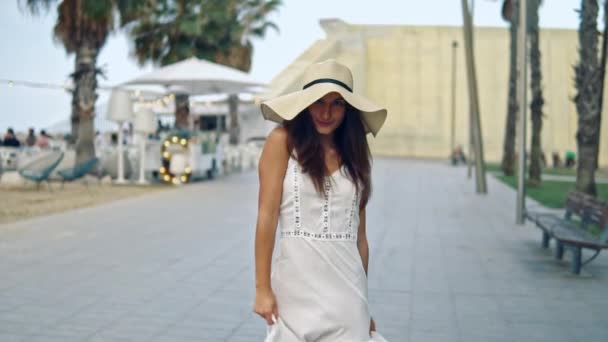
327 113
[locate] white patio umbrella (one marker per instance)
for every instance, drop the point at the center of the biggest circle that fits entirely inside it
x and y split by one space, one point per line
199 77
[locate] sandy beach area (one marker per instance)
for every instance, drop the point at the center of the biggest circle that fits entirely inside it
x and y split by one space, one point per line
18 202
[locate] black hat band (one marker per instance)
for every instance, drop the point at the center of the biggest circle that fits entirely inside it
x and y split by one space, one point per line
328 80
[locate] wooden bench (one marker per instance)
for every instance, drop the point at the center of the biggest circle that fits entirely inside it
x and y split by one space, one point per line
574 231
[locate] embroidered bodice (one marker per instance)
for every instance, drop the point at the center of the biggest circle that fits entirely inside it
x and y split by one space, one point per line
332 216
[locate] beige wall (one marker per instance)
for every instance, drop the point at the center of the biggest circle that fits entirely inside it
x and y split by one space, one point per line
408 69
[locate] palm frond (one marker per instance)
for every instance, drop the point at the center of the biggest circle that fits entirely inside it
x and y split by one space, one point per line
36 7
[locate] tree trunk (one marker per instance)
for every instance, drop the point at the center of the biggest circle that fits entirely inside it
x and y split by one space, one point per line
233 104
536 106
182 111
238 57
74 119
588 85
85 82
585 175
508 156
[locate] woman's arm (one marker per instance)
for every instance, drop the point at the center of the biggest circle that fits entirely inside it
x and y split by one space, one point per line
364 252
272 168
362 240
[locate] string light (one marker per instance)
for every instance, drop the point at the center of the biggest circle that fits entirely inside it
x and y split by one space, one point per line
40 85
138 94
168 176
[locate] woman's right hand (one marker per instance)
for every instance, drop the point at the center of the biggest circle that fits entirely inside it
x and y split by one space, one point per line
266 305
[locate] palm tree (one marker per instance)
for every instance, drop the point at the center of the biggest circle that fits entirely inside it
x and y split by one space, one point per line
588 85
215 30
250 17
536 106
510 13
83 27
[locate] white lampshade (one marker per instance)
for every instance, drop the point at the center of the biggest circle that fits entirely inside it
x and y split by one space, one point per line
145 121
120 107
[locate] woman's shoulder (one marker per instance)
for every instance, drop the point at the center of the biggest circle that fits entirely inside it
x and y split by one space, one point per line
279 139
276 144
278 134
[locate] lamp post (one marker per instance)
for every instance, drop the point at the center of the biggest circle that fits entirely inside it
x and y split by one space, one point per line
522 103
453 131
120 110
145 124
480 175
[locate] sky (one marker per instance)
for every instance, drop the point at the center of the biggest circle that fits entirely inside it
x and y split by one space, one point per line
29 53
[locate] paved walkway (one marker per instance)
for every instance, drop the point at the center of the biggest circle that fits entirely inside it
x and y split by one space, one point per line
446 265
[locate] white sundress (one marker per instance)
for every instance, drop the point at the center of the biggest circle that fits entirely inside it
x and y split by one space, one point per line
318 276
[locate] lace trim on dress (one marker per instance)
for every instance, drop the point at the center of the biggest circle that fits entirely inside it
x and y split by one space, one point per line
296 198
320 236
353 207
326 195
349 235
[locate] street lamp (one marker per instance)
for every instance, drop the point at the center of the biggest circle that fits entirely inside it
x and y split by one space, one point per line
453 132
521 97
145 124
480 176
120 110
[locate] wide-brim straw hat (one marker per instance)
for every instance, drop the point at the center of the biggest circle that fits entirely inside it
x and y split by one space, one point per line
319 80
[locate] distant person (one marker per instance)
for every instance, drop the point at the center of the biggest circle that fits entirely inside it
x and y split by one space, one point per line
31 138
44 140
570 159
557 162
10 140
458 156
543 159
114 139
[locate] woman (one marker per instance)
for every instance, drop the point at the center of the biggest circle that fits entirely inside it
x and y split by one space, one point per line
315 182
43 140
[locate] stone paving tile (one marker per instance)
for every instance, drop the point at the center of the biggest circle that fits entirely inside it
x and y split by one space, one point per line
432 337
543 332
445 265
10 337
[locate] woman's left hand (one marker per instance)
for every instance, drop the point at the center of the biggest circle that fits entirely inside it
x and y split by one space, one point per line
372 326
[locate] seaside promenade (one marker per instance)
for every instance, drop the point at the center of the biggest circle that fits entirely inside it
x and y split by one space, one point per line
446 265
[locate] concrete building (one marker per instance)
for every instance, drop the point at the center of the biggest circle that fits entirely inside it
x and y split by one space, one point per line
409 68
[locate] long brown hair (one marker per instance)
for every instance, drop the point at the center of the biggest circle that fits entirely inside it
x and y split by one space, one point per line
351 145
